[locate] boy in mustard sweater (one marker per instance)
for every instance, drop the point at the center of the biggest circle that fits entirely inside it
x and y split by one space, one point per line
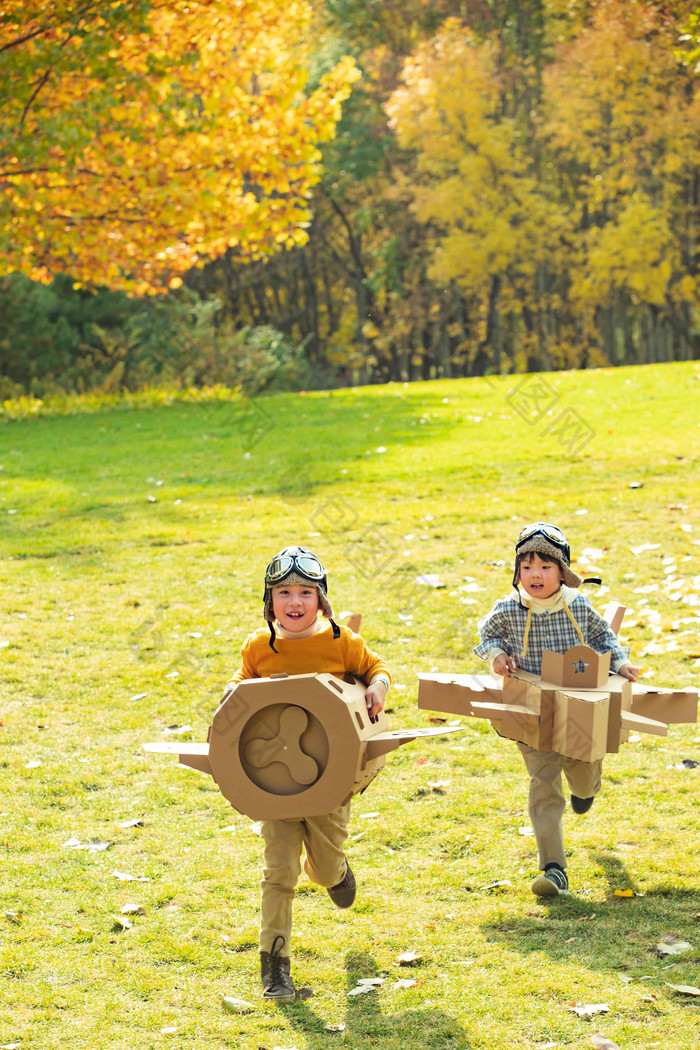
295 642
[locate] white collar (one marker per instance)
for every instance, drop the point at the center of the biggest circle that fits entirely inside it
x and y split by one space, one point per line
564 596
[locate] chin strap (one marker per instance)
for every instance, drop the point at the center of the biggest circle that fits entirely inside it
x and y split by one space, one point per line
272 636
336 629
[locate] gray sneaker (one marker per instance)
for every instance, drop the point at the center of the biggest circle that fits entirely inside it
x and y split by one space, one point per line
553 882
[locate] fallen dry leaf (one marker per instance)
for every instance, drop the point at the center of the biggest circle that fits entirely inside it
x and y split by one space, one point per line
623 893
684 989
405 982
409 959
121 925
603 1043
669 944
133 909
335 1027
589 1009
231 1005
367 984
429 579
95 846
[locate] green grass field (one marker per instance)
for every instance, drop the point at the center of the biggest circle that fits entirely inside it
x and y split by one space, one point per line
134 543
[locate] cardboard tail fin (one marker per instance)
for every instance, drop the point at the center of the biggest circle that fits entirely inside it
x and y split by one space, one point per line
497 711
640 724
614 614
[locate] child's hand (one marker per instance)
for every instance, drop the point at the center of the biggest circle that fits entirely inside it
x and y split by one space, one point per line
374 698
629 672
504 665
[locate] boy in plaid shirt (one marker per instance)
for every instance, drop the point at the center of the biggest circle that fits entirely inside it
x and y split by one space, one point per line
551 614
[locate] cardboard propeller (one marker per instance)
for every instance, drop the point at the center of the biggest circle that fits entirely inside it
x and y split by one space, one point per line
294 746
575 707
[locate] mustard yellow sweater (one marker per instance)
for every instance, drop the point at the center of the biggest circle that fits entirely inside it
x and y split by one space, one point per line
317 654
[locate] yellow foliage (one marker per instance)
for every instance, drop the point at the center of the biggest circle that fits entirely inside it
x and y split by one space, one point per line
210 140
473 183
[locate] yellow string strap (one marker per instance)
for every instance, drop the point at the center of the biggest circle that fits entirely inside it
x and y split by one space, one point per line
568 612
527 630
571 617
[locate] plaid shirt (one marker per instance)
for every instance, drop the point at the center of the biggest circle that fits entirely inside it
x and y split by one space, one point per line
504 628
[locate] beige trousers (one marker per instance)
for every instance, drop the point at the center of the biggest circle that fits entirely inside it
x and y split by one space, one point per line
322 838
546 802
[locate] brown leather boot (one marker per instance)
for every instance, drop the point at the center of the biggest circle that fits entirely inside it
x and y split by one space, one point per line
275 973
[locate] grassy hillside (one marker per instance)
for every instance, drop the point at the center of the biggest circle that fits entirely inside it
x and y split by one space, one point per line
134 543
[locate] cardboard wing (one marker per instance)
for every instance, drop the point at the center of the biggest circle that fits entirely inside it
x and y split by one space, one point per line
667 705
294 746
579 723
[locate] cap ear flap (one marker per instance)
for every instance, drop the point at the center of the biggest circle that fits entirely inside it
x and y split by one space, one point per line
324 605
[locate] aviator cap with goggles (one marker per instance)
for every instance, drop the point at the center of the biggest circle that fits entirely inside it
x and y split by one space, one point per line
547 541
296 565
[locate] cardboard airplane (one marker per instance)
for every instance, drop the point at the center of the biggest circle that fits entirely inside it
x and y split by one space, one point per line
294 746
574 707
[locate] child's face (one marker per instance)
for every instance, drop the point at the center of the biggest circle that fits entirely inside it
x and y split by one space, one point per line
540 578
295 605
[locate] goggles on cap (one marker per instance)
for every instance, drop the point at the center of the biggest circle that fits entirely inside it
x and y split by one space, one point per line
295 559
551 533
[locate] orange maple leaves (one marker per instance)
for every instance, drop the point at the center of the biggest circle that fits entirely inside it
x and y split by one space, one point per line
197 134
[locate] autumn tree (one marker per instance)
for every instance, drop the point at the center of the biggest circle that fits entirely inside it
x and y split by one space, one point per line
475 188
138 139
622 119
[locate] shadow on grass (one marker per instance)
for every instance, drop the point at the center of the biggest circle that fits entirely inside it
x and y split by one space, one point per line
367 1022
618 933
